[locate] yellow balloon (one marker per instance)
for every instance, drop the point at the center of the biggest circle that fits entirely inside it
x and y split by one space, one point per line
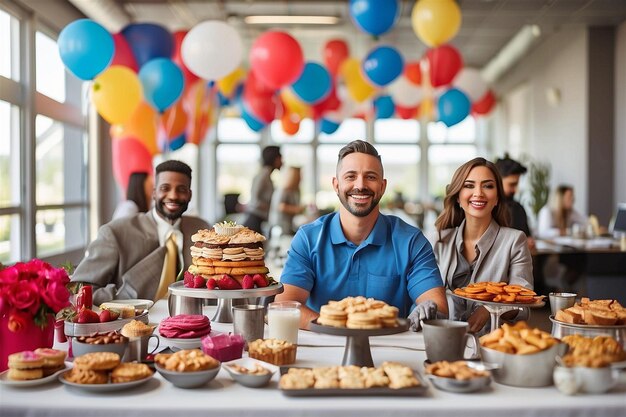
228 84
358 88
116 93
427 109
142 126
294 104
436 21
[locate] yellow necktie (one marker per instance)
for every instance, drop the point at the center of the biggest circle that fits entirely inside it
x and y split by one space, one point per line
168 275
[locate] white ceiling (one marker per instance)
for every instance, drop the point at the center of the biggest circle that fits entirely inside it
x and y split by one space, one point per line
487 25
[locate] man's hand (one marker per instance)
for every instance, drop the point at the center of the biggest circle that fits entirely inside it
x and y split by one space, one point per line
478 319
426 310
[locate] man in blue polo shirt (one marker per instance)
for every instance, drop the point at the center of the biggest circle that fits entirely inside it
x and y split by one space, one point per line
359 251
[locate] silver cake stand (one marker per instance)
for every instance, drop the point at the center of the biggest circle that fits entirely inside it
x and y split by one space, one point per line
496 310
183 300
357 351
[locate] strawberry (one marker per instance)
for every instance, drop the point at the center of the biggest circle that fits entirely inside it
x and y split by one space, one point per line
198 281
115 314
87 316
188 279
247 282
105 315
260 280
211 283
228 283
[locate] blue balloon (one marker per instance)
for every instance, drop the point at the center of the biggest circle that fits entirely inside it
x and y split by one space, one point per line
375 16
162 83
453 106
384 107
383 65
328 126
252 122
222 100
86 48
148 41
314 83
178 142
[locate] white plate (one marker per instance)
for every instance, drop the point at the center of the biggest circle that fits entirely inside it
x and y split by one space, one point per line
104 387
178 344
138 303
4 378
248 380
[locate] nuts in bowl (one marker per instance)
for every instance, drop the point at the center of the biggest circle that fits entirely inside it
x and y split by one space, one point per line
458 376
187 368
100 342
251 372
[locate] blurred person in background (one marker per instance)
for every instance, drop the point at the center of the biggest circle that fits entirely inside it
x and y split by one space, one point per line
138 196
286 203
258 209
511 171
558 218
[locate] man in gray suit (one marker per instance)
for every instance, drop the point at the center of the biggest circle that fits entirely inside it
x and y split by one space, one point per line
127 258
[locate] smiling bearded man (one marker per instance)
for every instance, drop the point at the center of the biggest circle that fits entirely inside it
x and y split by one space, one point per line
139 256
359 251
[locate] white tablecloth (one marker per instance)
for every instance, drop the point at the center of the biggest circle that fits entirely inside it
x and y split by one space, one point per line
223 397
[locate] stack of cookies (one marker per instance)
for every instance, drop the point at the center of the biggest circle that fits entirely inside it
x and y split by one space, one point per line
358 313
235 251
99 367
27 365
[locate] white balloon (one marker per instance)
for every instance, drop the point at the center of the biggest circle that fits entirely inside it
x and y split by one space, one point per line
469 81
405 93
212 50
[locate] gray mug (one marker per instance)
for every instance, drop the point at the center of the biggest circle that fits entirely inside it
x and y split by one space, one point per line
446 340
249 321
138 348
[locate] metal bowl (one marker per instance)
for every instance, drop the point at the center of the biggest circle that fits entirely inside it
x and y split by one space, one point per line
457 385
533 370
560 329
80 348
188 379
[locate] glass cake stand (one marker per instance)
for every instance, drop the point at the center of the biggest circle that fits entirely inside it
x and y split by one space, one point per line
496 310
183 300
357 351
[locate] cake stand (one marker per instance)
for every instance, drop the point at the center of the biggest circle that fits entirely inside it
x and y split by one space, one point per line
357 351
496 310
183 300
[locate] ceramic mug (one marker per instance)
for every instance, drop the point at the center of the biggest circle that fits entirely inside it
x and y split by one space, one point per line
446 340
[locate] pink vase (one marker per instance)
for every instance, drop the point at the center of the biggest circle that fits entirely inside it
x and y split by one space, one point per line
30 338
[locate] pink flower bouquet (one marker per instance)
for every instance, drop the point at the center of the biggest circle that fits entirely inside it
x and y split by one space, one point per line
32 291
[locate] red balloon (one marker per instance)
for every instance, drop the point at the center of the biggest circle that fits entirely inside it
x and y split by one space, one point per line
260 100
123 53
129 156
330 103
445 62
277 59
406 112
190 77
335 52
413 72
485 104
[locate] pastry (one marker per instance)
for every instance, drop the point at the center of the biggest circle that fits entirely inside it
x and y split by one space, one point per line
136 328
25 360
364 320
25 374
97 361
127 372
358 313
277 352
189 360
86 376
51 357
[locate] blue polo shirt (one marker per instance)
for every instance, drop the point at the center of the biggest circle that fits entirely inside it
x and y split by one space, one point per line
395 263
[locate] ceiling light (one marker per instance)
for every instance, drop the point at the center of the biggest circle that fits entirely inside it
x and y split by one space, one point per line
291 20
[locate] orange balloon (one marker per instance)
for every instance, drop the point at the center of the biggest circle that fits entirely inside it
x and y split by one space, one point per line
290 123
174 120
142 126
413 72
198 105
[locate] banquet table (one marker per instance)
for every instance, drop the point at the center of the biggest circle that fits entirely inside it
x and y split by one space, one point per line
224 397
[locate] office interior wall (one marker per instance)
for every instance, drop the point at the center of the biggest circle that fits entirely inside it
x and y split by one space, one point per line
620 115
555 74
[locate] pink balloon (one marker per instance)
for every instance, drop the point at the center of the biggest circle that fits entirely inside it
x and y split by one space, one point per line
445 62
129 156
123 53
277 59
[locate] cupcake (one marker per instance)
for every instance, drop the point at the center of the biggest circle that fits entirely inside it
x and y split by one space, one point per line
227 228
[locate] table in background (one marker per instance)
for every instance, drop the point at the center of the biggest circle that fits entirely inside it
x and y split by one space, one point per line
223 397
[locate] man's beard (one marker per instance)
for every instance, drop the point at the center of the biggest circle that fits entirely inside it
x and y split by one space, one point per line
160 208
360 210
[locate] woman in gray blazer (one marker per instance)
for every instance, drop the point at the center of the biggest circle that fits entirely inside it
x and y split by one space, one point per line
472 242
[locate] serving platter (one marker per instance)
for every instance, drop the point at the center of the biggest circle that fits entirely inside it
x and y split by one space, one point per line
4 378
357 351
86 329
110 387
179 344
417 391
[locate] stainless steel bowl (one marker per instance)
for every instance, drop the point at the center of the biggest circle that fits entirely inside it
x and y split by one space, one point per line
461 386
180 304
533 370
560 329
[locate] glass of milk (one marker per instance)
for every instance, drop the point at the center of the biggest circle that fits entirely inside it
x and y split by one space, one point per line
283 320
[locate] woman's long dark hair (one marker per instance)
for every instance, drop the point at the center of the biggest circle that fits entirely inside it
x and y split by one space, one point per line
452 214
136 191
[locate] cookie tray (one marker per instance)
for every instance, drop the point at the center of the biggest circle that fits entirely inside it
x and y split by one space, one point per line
86 329
417 391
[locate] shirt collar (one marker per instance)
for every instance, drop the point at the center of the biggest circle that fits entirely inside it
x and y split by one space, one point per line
378 235
485 241
164 228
